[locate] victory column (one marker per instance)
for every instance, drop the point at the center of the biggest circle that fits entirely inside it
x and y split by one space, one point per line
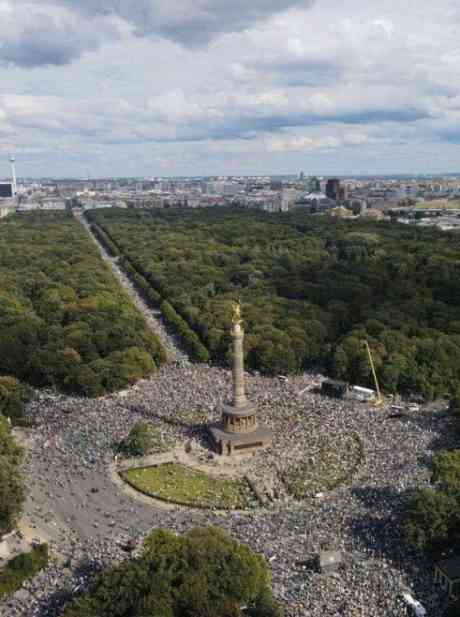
239 432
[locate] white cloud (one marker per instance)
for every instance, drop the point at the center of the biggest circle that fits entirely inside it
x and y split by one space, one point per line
265 83
34 35
189 22
56 32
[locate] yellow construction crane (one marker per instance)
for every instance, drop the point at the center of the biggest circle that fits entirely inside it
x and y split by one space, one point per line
379 400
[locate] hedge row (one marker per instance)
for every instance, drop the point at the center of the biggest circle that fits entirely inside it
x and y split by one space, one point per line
181 328
188 337
104 239
152 296
21 568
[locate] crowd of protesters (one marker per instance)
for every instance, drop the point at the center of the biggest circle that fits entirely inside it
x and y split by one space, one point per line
88 519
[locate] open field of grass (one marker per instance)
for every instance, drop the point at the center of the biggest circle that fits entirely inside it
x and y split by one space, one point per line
178 484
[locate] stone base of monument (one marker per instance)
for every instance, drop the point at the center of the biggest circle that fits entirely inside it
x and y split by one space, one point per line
228 443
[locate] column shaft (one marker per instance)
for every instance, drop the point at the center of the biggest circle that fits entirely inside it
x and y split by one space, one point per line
239 396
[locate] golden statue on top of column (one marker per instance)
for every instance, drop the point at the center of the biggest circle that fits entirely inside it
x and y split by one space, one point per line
237 320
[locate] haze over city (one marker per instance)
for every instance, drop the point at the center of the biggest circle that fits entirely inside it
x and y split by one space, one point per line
150 88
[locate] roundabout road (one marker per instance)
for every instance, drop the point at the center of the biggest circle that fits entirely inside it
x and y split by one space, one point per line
74 502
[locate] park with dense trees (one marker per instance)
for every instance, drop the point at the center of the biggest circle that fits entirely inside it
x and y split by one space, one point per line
65 322
203 573
312 289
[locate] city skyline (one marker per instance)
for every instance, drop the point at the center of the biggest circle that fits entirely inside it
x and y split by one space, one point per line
171 89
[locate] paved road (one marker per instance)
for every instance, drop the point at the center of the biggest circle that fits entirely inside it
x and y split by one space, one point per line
153 317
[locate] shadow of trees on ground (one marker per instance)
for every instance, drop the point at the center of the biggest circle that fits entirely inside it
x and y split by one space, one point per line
54 604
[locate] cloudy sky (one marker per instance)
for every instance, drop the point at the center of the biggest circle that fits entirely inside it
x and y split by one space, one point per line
191 87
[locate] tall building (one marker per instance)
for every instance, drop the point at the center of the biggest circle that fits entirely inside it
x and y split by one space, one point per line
288 198
215 188
13 174
333 189
8 202
343 193
6 190
230 189
276 185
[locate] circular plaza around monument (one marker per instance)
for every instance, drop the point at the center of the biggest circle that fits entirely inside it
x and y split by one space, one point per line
93 515
322 465
192 476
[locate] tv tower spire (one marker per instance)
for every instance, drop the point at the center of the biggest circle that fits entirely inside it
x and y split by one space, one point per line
13 174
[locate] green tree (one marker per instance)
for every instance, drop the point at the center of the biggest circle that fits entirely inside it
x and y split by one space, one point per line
13 397
454 405
352 362
143 439
320 285
433 520
394 368
446 469
129 366
21 568
201 574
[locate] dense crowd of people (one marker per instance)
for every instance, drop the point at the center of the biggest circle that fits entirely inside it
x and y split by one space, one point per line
86 517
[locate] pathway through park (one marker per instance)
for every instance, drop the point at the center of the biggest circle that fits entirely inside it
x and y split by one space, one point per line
153 317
